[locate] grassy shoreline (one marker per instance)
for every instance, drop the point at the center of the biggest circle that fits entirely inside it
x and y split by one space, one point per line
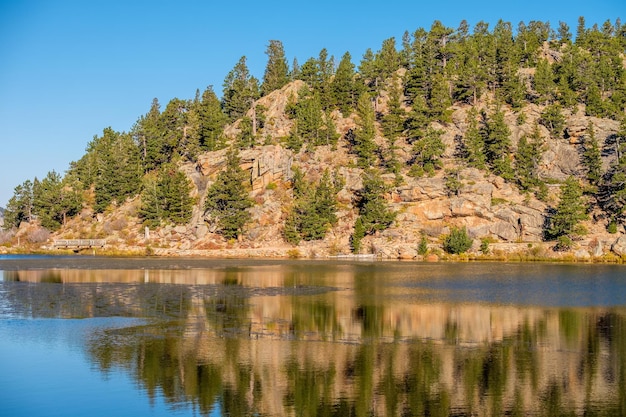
294 253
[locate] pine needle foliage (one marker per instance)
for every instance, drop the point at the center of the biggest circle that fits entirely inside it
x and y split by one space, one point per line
227 200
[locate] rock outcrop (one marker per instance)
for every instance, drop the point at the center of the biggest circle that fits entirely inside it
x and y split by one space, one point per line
265 165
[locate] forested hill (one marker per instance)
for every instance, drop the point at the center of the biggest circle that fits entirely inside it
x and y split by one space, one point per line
469 139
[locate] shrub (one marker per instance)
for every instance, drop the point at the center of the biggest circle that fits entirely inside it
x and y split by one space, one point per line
496 201
422 247
5 236
484 245
612 227
457 241
563 243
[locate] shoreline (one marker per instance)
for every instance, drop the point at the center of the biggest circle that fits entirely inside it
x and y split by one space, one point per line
295 254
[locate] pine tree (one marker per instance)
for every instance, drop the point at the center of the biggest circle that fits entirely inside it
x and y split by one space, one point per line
343 86
472 76
176 189
527 158
317 73
245 137
147 135
453 181
370 72
498 145
513 91
118 168
357 236
309 127
506 59
552 118
570 211
427 153
439 100
544 84
20 206
227 201
393 125
326 67
329 135
565 94
53 202
173 129
364 146
417 120
313 210
241 89
405 53
581 32
484 43
277 71
529 40
564 34
437 49
592 157
163 136
151 210
594 105
387 60
474 142
374 215
166 197
612 188
295 70
211 121
416 79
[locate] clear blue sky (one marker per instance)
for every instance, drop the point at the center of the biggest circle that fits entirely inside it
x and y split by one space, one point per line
70 68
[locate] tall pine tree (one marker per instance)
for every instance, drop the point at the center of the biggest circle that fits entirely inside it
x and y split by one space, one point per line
592 157
498 145
277 70
374 214
344 87
240 90
527 159
570 212
227 201
364 145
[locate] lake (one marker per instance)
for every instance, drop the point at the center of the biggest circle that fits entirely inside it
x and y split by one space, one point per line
204 337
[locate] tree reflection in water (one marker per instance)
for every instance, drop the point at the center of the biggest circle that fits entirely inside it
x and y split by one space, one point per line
302 342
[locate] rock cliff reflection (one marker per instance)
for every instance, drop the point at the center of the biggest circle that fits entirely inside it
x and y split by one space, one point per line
339 340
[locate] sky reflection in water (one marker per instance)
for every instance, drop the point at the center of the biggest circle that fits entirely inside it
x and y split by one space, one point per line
308 338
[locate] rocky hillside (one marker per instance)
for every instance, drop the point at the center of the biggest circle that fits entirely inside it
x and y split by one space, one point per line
490 208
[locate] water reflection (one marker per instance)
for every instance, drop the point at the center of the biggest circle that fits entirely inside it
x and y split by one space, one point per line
345 339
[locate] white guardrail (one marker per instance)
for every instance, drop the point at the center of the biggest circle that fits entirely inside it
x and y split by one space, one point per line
79 243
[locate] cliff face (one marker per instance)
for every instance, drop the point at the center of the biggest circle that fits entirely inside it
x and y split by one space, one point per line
489 208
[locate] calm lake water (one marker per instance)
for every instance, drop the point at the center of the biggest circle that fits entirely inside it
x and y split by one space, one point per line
89 336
